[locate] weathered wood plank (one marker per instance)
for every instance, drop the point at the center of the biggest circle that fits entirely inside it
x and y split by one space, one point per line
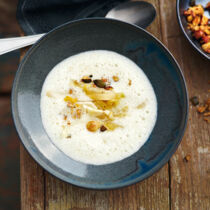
8 68
8 22
149 194
190 181
169 24
9 159
155 27
8 27
32 182
152 193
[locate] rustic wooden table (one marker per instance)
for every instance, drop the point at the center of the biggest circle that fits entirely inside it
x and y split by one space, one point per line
178 185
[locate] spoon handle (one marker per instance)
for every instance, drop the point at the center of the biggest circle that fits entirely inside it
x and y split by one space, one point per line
10 44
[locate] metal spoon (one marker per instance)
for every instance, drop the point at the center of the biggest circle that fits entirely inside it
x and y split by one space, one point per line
140 13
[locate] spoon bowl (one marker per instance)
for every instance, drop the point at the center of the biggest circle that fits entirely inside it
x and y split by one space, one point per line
140 13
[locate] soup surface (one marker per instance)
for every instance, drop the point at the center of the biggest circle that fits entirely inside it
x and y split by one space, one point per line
98 107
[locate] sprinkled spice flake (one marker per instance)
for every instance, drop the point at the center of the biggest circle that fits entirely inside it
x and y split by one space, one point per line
116 78
70 91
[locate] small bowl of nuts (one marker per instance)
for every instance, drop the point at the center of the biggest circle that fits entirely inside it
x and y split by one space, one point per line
194 20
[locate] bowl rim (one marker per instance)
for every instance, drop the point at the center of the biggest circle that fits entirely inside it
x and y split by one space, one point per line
184 32
97 186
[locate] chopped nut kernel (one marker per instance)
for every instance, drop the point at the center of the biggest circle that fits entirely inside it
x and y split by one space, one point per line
65 117
207 120
70 91
202 109
103 128
189 18
93 126
86 79
68 123
129 82
208 101
99 83
115 78
187 158
206 114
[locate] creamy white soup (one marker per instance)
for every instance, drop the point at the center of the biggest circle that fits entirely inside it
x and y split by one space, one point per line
98 107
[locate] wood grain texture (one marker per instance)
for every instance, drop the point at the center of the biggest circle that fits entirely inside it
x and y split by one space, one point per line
190 181
155 27
8 68
9 158
8 28
8 22
32 182
149 194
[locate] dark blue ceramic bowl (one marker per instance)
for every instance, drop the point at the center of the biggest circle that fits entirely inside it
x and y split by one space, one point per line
181 6
128 40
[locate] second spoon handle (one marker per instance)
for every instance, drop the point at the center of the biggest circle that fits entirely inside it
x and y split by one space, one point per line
10 44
